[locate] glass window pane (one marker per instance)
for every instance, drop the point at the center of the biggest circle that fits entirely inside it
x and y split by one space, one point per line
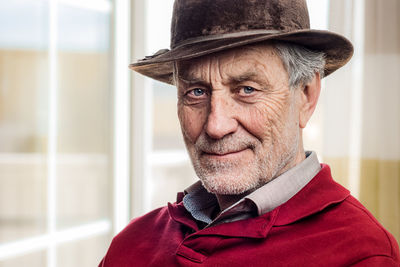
32 259
23 118
84 116
84 189
83 253
24 24
168 180
166 128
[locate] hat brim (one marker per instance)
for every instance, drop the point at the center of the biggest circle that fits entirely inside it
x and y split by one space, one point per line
338 51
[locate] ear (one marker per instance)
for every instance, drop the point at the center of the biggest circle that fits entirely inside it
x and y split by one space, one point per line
309 98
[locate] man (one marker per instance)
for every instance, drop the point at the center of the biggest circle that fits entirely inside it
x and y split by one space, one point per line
248 78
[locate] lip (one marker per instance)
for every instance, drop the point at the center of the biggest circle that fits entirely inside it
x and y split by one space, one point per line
225 155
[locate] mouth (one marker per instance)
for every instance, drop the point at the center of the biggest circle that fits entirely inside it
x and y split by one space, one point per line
225 155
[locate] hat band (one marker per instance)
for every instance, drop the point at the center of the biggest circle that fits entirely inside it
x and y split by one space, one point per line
224 36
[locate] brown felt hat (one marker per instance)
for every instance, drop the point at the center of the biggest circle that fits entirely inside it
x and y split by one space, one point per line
202 27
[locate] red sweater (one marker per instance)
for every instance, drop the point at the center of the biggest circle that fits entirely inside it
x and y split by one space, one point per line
322 225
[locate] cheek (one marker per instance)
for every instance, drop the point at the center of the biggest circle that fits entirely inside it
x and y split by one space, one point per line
192 122
255 120
267 117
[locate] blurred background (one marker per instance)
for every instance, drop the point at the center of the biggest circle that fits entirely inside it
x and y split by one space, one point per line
86 145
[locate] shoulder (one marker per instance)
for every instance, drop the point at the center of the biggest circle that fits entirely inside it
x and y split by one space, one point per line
342 221
139 229
150 222
364 222
361 232
377 261
336 226
136 239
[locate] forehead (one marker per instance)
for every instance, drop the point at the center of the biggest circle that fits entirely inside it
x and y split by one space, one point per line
261 59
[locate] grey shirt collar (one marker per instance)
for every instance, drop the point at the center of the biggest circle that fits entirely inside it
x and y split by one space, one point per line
201 204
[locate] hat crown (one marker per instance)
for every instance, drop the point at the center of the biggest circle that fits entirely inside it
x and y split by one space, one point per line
202 18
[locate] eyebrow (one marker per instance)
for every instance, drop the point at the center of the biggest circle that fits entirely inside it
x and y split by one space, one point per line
248 76
191 80
232 79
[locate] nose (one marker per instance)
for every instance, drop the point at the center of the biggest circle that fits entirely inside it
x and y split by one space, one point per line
220 120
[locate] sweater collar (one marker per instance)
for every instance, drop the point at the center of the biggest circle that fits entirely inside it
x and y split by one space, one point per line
317 195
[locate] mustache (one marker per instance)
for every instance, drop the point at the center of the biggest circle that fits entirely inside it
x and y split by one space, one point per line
227 144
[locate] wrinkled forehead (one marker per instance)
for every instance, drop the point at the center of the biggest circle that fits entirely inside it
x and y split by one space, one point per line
256 57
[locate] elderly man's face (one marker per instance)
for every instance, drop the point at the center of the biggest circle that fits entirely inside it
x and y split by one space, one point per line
240 120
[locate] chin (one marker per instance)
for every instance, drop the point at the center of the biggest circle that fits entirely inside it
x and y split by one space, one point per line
229 183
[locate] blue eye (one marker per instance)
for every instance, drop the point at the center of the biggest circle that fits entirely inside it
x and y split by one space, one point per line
248 89
198 92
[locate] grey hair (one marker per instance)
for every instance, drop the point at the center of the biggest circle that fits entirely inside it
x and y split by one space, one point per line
300 63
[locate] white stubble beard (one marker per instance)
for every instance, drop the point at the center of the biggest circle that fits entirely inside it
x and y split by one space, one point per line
237 177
